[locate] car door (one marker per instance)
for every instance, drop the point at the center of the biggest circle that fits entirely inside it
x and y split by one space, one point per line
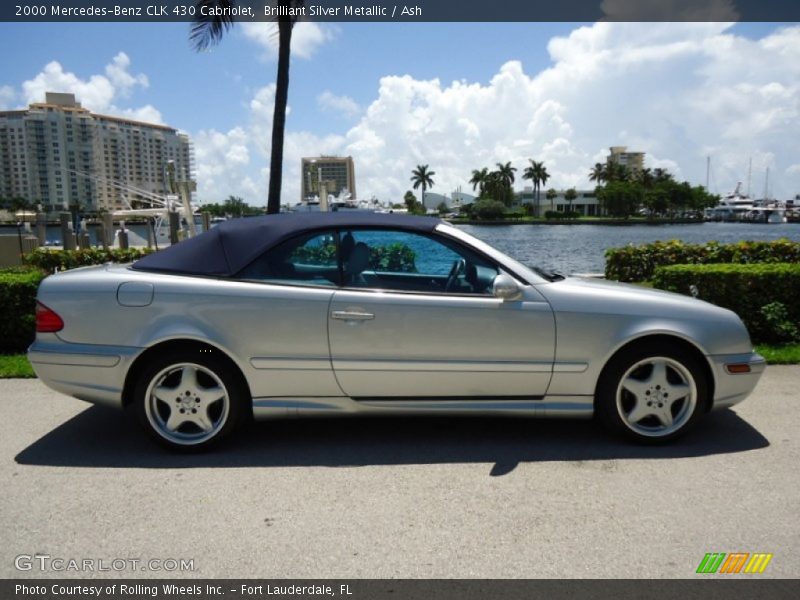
416 318
279 322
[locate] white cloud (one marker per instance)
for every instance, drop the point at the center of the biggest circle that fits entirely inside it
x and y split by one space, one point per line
7 96
117 72
98 92
307 37
345 105
677 91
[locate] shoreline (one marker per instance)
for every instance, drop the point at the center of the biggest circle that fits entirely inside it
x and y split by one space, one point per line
615 222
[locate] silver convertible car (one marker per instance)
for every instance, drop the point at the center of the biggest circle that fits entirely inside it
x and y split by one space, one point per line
355 313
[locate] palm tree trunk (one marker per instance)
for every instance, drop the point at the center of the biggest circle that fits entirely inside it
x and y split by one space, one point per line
279 116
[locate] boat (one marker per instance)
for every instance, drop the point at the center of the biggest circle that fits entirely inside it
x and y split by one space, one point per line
736 206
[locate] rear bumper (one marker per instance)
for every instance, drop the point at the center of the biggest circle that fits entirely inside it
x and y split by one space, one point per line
731 387
85 371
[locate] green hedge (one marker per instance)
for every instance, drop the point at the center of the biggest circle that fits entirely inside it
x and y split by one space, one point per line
392 257
567 214
638 263
50 260
18 304
763 295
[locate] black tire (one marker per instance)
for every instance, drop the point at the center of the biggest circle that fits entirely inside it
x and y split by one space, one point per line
642 408
177 419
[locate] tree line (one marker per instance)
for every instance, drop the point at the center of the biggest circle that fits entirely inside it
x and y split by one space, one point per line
621 192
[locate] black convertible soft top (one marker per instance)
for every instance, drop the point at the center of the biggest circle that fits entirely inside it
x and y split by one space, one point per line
230 246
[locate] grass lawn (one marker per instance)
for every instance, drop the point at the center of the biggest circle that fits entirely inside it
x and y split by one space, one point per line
17 365
780 355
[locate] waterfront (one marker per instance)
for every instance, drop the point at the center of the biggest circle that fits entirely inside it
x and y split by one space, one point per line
565 248
572 249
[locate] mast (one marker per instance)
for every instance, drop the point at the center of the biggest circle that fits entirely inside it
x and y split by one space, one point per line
708 169
749 176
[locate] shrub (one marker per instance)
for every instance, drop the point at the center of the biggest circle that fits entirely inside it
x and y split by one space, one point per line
638 263
554 214
392 257
18 301
488 209
763 295
50 260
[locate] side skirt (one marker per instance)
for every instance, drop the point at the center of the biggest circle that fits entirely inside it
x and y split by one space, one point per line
581 407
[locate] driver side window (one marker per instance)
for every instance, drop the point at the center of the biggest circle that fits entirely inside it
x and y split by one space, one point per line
410 262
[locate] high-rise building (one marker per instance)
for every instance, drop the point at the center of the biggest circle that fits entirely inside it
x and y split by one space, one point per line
59 154
634 161
337 172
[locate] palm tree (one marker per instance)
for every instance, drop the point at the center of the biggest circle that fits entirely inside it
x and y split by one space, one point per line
538 175
551 195
479 179
421 177
569 196
209 30
506 173
646 178
599 173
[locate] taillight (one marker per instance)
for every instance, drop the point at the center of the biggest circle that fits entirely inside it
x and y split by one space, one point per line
47 321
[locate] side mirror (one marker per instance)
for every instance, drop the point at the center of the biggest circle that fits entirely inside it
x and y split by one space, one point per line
506 288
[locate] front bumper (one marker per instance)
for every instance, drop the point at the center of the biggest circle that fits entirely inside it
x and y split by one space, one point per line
85 371
731 387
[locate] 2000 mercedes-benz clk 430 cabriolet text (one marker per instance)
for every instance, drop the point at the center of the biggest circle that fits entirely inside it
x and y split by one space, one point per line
354 313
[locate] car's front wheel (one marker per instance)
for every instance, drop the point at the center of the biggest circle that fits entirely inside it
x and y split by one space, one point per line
189 401
652 393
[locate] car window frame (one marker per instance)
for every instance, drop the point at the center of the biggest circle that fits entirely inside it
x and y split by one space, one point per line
436 236
309 235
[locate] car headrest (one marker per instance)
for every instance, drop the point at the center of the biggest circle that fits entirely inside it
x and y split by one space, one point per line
359 259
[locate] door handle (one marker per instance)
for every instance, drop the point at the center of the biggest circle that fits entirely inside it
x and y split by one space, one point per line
351 315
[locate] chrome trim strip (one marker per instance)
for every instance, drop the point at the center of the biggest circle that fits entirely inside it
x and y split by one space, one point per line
73 359
471 366
283 363
576 367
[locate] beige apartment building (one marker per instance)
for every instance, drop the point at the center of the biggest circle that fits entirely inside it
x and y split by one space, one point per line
634 161
59 154
337 172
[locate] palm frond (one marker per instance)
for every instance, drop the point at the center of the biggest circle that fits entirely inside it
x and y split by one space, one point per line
207 30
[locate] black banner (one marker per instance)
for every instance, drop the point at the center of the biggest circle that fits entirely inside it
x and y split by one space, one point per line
418 11
713 588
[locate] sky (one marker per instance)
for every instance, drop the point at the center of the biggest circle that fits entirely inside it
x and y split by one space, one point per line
454 96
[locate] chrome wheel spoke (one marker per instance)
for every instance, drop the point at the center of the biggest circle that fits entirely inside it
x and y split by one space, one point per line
165 394
658 376
203 421
665 416
188 380
176 419
639 412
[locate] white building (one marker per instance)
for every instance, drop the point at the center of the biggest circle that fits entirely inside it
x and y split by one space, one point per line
585 203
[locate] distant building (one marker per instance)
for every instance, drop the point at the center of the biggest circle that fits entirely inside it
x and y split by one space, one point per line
585 203
337 172
456 200
59 154
634 161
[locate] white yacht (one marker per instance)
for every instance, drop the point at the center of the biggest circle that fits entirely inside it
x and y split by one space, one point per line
736 206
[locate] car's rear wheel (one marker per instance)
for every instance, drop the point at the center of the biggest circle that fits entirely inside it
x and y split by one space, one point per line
189 402
652 393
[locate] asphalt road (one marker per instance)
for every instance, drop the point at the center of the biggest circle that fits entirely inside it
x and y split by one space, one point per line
401 498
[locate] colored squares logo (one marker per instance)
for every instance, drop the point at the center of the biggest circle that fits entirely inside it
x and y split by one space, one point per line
735 562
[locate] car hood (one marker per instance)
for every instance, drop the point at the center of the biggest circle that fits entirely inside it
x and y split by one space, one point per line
612 297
